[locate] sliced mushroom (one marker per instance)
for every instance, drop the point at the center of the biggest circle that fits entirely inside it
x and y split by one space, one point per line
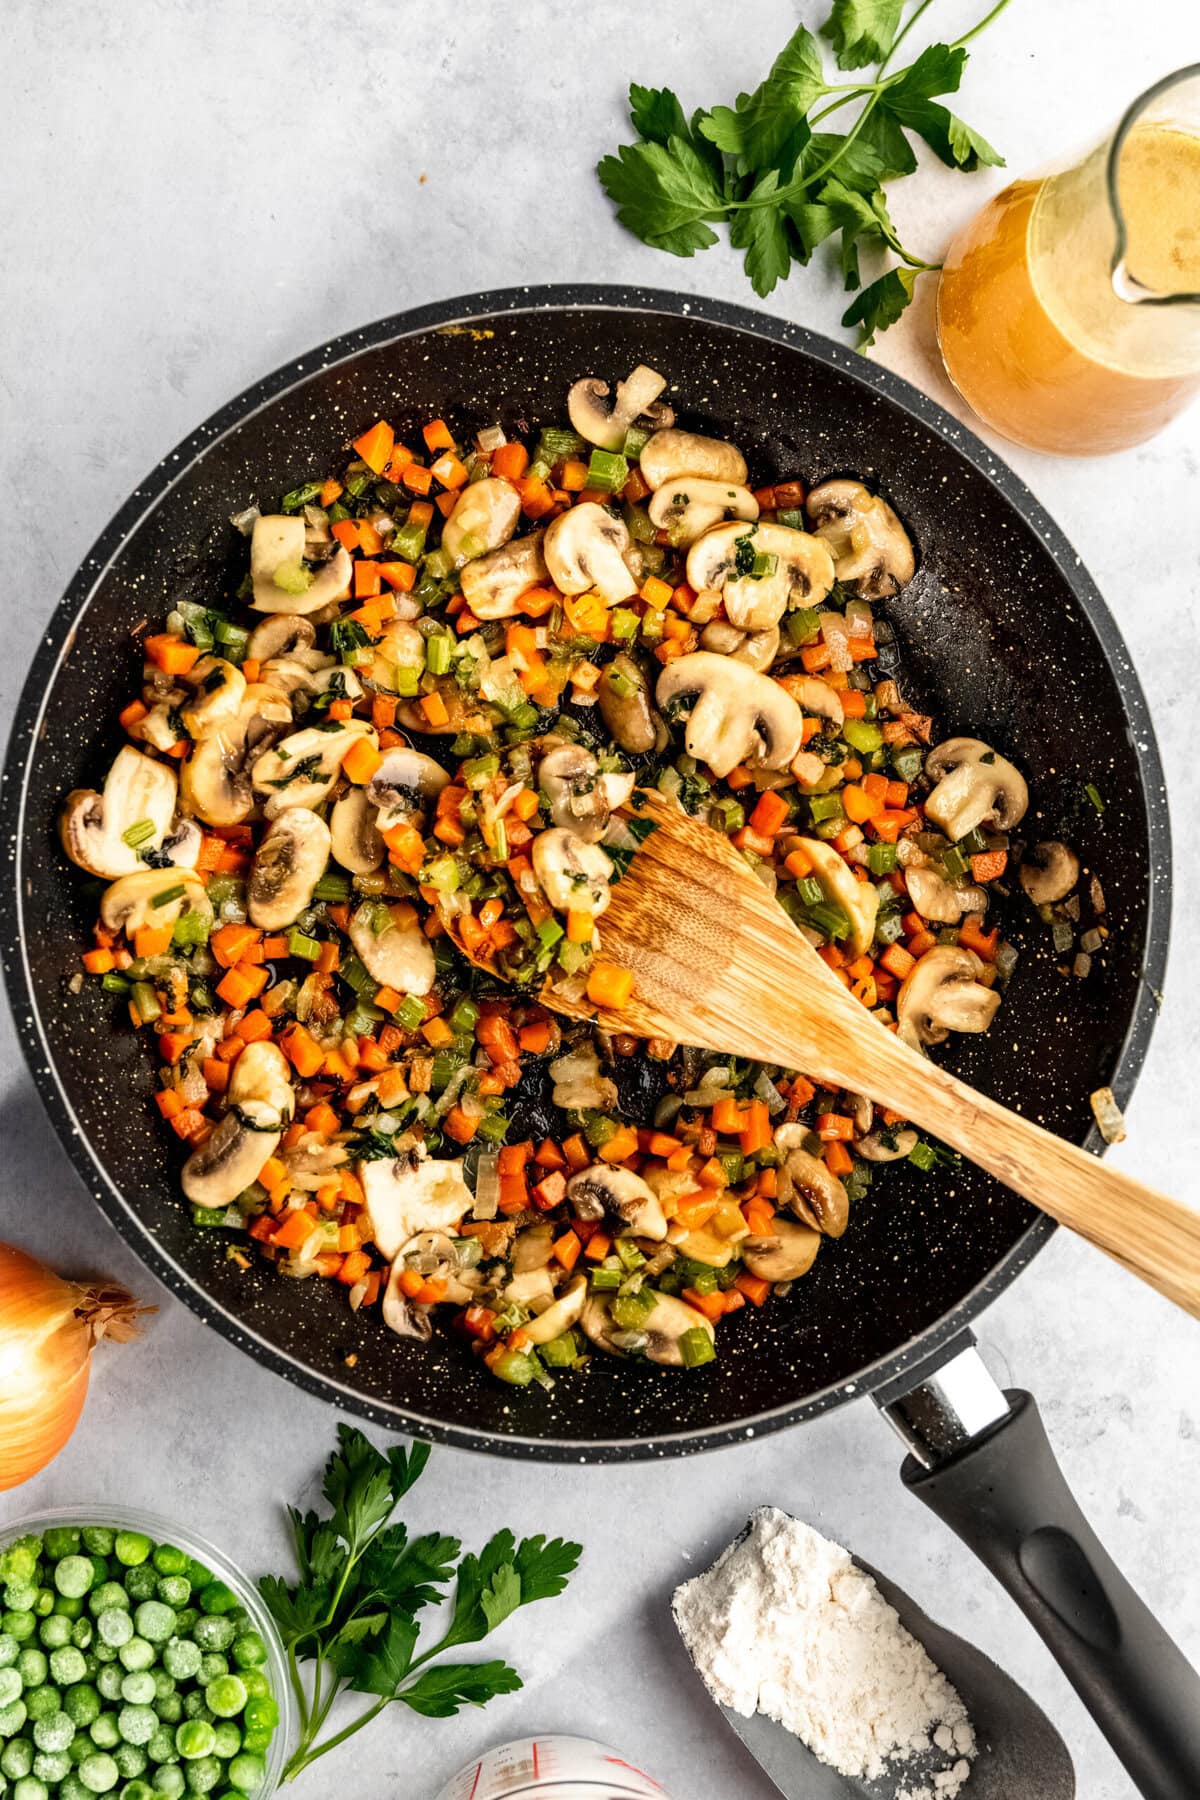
574 874
400 956
788 1251
658 1337
403 785
857 899
215 780
811 1190
669 454
289 862
353 833
412 1194
800 573
402 647
281 635
312 1160
565 1312
1049 872
277 548
152 897
399 1313
485 516
578 1083
606 426
975 786
138 792
260 1103
432 1255
493 584
690 505
625 707
580 798
738 715
941 994
888 1145
757 649
219 688
937 899
871 549
585 548
605 1188
814 697
302 770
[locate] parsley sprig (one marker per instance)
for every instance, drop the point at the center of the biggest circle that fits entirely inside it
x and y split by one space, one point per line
783 186
352 1615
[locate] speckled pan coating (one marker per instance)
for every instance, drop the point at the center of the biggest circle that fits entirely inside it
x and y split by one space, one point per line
1006 636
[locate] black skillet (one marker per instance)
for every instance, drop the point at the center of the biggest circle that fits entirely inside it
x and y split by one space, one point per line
1005 636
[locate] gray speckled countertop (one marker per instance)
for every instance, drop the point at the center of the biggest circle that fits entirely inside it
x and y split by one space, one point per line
194 194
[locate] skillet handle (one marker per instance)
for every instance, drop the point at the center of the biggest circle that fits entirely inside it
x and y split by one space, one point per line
1001 1489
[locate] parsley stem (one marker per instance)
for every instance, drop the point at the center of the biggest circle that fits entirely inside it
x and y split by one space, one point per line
982 25
301 1758
903 33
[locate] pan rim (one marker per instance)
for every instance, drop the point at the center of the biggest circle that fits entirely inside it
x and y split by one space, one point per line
154 489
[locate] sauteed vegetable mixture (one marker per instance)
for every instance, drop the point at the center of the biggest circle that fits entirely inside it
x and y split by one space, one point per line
412 732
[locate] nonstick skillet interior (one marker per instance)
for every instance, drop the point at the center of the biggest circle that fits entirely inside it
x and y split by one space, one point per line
1004 637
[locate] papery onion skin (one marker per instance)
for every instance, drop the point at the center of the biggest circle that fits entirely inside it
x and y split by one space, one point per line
48 1329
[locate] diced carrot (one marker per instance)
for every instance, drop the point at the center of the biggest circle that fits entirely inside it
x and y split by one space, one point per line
656 592
295 1231
989 865
620 1146
189 1123
215 1073
756 1128
897 961
417 479
510 461
576 1151
375 446
711 1305
98 962
321 1118
399 575
798 863
897 795
888 826
169 1102
434 708
758 1292
983 943
437 436
581 927
242 985
457 1125
302 1051
361 762
152 940
132 715
437 1034
574 476
172 655
831 1126
609 986
816 657
229 943
346 533
771 813
567 1248
728 1116
920 942
860 806
748 839
838 1159
355 1267
759 1216
550 1190
449 470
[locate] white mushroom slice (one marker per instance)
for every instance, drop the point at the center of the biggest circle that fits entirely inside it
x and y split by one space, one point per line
485 516
689 506
814 697
566 1311
799 571
606 426
260 1103
659 1335
431 1254
942 994
353 834
1049 872
578 1082
975 786
302 769
153 897
757 649
625 707
857 899
282 635
937 899
139 798
669 454
811 1190
870 547
403 786
402 646
400 956
289 862
406 1196
574 874
278 570
788 1251
493 584
219 688
605 1188
215 780
888 1145
579 797
585 548
738 714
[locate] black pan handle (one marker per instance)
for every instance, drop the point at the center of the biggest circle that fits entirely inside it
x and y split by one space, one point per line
996 1482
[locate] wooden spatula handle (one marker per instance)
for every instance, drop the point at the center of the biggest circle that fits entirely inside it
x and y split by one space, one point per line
1150 1234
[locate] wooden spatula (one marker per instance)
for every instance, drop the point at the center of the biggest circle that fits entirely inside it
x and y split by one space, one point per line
718 964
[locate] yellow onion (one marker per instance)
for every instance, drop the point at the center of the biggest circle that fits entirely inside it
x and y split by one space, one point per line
48 1330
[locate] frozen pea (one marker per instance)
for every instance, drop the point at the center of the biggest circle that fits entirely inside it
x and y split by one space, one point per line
255 1682
103 1731
99 1773
197 1574
226 1696
247 1772
30 1788
47 1600
33 1666
138 1688
228 1739
161 1748
55 1631
62 1540
137 1790
212 1665
51 1765
141 1583
11 1685
249 1651
217 1597
195 1738
170 1708
115 1627
70 1606
81 1704
108 1594
214 1633
82 1633
195 1706
154 1621
104 1653
74 1576
73 1789
9 1649
185 1620
53 1732
18 1625
202 1775
100 1570
168 1780
12 1718
182 1658
137 1724
131 1548
170 1561
174 1590
256 1739
136 1654
131 1759
21 1596
164 1686
67 1665
16 1758
98 1539
43 1701
109 1681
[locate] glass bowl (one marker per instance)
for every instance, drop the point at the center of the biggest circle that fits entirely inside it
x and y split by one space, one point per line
166 1531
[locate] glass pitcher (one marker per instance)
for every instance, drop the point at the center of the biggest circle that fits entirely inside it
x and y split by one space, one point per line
1069 309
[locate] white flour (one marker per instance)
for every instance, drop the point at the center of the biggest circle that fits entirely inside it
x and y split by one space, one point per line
785 1624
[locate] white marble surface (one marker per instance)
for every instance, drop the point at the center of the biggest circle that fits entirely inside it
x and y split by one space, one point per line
193 193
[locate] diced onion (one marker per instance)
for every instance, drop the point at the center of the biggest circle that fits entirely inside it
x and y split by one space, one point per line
766 1090
1108 1115
837 636
490 438
487 1186
244 521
